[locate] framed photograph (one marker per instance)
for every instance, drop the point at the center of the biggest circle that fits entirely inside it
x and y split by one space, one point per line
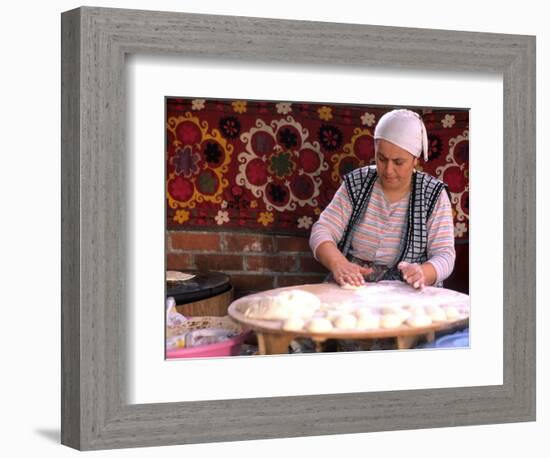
250 182
100 201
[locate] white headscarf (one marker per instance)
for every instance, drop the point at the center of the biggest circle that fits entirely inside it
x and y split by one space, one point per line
405 129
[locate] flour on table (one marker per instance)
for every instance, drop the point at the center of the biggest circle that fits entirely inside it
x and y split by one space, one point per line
383 305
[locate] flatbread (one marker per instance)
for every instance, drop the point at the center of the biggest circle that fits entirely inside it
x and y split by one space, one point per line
174 275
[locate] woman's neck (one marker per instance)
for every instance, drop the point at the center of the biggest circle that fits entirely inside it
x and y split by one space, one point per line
393 195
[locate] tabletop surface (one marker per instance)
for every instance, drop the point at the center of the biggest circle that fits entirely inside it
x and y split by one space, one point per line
372 295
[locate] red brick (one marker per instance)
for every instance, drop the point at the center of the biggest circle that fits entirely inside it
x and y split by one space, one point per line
198 241
276 263
248 243
309 264
292 280
244 284
292 244
218 262
179 261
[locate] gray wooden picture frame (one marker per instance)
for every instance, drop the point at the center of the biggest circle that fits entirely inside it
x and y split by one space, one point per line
95 412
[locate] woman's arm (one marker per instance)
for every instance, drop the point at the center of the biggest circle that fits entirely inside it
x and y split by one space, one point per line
325 235
441 241
441 250
332 222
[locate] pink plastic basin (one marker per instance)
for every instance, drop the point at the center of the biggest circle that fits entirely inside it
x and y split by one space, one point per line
229 347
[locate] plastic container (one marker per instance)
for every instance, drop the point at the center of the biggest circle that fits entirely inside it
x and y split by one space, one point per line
209 336
205 326
459 339
229 347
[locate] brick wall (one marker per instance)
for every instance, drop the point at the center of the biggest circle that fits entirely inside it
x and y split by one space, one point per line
255 262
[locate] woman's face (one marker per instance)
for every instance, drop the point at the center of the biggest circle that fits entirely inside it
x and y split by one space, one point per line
394 165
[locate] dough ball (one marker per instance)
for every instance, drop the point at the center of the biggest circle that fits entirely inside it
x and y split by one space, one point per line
390 308
294 323
283 305
326 306
300 301
416 309
352 287
363 311
345 321
452 312
404 314
368 321
390 320
396 309
319 325
437 314
419 320
267 308
333 314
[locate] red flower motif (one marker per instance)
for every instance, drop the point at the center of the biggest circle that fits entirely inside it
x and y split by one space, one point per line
181 189
455 179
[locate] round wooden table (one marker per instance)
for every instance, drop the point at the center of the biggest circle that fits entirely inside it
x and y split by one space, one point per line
272 339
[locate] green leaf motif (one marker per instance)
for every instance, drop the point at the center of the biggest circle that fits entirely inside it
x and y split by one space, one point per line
207 183
282 164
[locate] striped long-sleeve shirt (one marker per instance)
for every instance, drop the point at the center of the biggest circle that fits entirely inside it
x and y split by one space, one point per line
378 236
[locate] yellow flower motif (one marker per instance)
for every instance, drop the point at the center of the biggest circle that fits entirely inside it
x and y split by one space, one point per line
181 216
239 106
266 218
254 204
325 113
317 211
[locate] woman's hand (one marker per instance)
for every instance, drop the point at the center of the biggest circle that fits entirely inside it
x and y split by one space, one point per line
342 270
345 271
415 274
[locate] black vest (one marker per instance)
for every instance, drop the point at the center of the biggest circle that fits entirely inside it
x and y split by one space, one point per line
424 194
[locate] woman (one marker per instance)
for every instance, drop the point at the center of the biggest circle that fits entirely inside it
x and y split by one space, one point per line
389 221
